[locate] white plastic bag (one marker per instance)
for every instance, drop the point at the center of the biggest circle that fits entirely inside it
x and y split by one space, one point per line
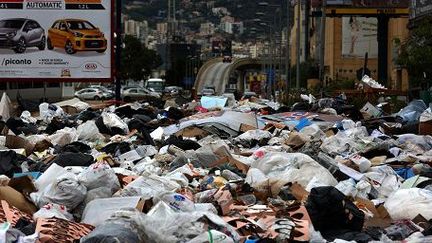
53 210
88 131
99 175
27 118
65 190
47 114
408 203
111 120
64 136
49 176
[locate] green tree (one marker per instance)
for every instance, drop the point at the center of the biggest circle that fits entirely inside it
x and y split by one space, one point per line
137 61
416 52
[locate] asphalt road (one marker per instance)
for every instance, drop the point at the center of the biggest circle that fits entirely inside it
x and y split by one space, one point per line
213 76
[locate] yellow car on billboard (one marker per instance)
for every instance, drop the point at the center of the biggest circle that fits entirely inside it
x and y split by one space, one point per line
76 35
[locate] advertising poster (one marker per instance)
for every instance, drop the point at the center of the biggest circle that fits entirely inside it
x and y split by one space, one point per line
359 35
421 8
365 3
55 39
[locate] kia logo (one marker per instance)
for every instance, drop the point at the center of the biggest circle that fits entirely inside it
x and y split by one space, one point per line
91 66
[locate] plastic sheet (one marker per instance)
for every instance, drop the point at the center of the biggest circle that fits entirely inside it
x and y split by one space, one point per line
412 112
408 203
5 107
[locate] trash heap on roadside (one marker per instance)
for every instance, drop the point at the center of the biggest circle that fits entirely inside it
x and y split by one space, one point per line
217 170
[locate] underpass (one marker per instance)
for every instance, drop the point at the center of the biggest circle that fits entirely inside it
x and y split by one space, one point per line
216 73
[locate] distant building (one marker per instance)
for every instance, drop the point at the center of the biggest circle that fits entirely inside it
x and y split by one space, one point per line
161 32
137 29
347 40
221 11
207 29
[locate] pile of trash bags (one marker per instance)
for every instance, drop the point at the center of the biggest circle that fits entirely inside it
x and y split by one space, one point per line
252 171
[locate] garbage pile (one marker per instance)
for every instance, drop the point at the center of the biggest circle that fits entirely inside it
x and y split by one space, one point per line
252 171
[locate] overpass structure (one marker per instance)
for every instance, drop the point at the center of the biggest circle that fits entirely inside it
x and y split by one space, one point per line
220 75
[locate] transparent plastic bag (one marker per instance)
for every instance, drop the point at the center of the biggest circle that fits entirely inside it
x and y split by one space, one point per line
292 167
176 202
184 227
99 210
148 186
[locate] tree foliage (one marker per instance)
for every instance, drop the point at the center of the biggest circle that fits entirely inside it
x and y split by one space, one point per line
416 52
137 61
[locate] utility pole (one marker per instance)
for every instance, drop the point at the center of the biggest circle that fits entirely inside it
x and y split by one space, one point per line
288 50
298 44
307 9
322 45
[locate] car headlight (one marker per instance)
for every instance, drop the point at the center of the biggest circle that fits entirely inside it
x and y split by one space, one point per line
11 34
78 34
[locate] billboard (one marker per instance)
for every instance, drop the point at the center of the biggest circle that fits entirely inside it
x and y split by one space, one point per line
55 39
365 3
359 35
421 8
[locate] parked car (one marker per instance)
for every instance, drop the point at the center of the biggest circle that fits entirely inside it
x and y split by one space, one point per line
102 88
173 90
93 94
18 34
139 94
208 92
76 35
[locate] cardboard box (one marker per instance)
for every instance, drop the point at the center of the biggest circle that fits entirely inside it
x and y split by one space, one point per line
16 199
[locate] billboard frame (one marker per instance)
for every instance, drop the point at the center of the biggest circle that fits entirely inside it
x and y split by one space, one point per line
78 80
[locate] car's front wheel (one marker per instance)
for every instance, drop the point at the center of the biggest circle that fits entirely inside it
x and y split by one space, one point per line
49 44
96 98
101 51
20 46
69 48
42 44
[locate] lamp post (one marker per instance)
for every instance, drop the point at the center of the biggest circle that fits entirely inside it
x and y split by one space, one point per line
118 38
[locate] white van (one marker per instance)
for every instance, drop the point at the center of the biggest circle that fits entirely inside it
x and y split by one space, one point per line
155 84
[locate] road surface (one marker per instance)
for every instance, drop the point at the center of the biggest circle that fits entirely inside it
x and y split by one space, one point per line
214 76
